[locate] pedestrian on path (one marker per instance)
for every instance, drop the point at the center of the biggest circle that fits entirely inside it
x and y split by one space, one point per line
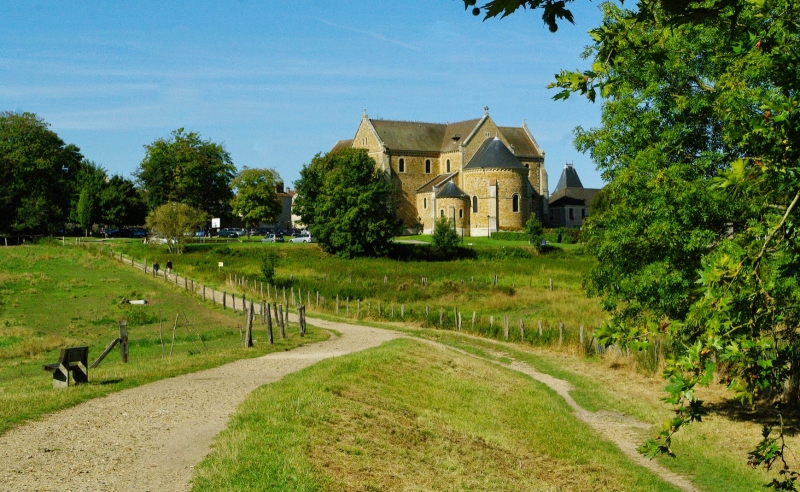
169 267
156 266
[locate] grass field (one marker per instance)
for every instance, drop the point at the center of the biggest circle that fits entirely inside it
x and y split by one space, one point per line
53 297
407 416
522 291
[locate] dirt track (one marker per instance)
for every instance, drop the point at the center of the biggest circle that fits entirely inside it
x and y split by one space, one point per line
149 438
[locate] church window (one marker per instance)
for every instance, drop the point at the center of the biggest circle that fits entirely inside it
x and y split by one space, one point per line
424 203
401 166
488 134
427 166
460 213
515 203
474 204
441 213
448 165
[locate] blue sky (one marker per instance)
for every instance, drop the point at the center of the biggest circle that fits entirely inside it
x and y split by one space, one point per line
278 82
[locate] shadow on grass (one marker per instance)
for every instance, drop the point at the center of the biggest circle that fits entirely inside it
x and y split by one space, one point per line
761 413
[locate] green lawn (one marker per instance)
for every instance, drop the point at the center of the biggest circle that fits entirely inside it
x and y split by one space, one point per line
53 297
408 416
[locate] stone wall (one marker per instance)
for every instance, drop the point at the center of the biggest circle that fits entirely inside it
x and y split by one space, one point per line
509 183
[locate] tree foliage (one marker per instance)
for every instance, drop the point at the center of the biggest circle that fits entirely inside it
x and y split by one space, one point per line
37 175
697 239
174 222
346 204
256 198
445 238
187 169
122 204
87 209
535 231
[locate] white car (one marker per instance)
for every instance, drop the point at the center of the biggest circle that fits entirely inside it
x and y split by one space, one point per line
306 238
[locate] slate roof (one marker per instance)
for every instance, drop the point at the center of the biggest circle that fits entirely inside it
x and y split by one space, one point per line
450 190
493 154
438 180
569 179
573 196
519 139
342 144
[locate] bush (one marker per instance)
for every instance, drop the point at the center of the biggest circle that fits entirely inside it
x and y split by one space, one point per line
445 239
268 264
510 236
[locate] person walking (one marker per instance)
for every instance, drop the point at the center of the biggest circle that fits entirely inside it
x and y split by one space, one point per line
156 266
169 267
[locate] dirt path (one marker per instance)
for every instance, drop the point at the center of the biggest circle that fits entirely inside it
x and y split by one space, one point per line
149 438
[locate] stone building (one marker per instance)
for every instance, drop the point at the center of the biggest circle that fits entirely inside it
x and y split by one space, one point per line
482 176
570 202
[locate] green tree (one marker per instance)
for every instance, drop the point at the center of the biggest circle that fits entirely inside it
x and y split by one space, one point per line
86 209
37 175
187 169
256 198
535 232
121 203
445 238
175 222
346 204
698 234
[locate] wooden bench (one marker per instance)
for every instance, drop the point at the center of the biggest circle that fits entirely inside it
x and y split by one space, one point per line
71 359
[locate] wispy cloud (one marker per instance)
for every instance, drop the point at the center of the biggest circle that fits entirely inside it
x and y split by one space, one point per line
372 34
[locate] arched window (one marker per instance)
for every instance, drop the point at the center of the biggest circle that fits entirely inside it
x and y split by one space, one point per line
441 212
460 213
401 166
448 165
424 203
515 203
475 204
427 166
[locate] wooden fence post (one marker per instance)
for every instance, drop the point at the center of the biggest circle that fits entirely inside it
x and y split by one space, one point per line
347 306
123 341
269 326
358 308
551 284
402 311
560 333
441 316
337 303
491 321
521 330
505 326
204 293
233 301
224 300
581 336
248 339
473 320
540 328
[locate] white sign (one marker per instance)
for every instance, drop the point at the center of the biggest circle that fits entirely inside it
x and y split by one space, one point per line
221 265
215 224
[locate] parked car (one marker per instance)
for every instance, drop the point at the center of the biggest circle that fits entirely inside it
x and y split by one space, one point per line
138 232
305 238
228 232
272 238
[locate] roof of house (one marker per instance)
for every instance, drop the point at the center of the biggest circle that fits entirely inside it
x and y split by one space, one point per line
438 180
442 137
342 144
493 154
450 190
569 179
518 139
571 196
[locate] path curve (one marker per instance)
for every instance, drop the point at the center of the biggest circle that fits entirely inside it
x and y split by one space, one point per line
149 438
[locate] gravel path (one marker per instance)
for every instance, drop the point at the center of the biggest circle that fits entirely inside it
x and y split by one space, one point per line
149 438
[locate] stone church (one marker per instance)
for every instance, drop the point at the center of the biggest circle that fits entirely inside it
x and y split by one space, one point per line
481 176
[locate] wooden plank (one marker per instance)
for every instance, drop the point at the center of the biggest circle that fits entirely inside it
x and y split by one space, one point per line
105 352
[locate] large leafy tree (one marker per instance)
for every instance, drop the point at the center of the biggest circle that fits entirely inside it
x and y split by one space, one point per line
256 197
87 207
122 203
174 222
37 175
346 204
185 168
698 236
